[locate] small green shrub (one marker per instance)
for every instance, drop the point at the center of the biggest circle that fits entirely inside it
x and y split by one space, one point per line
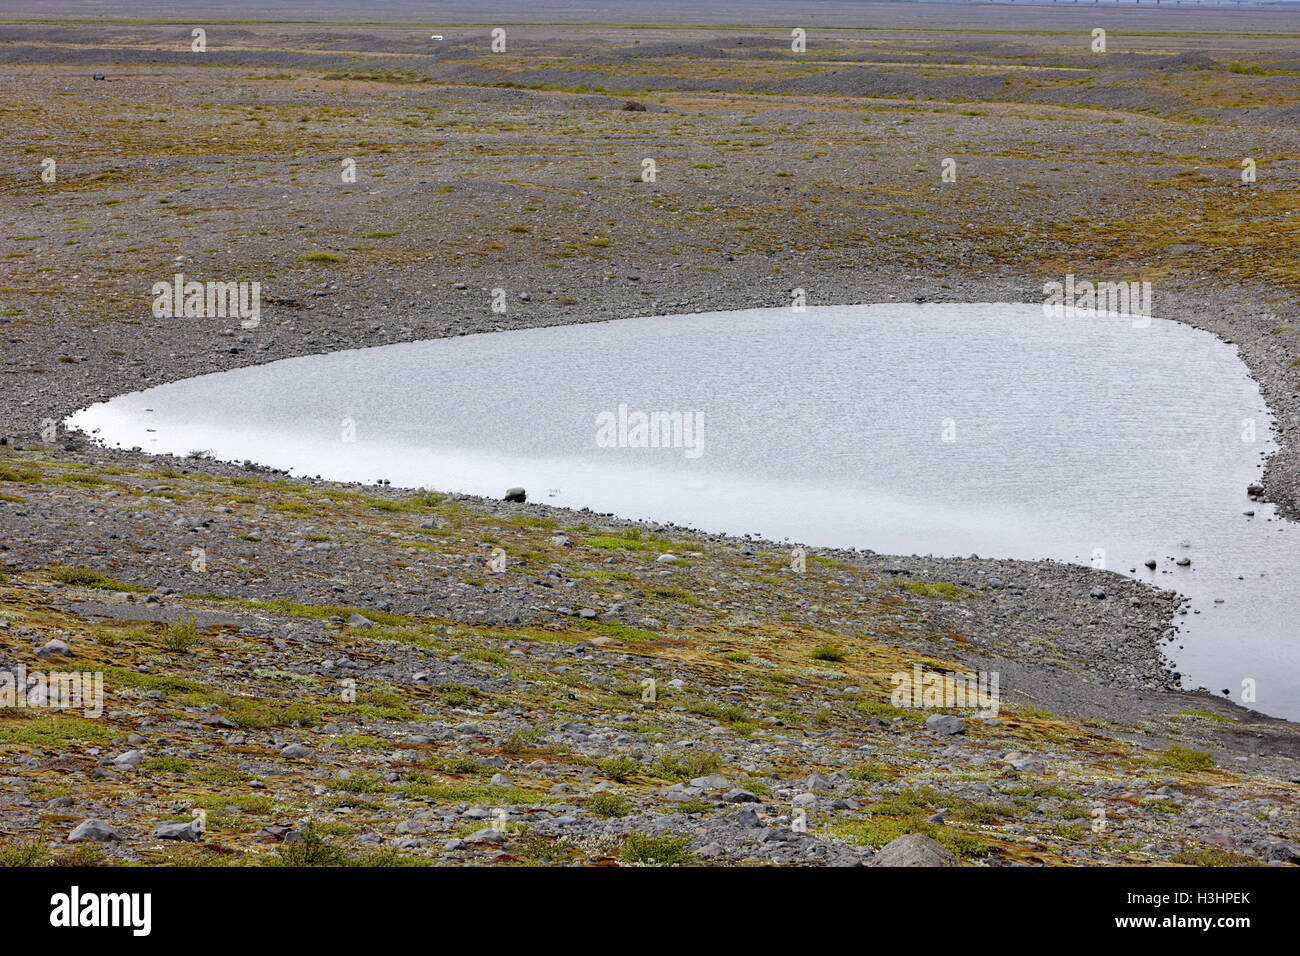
608 805
181 634
656 850
620 769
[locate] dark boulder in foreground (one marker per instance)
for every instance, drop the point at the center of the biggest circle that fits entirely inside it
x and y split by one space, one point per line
516 494
190 832
914 849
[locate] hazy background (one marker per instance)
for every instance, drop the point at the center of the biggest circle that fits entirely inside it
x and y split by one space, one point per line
1169 14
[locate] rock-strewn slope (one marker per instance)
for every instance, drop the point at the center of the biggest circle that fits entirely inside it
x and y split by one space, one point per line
346 678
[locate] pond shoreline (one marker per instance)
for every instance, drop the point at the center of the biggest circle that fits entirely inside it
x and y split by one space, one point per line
1053 578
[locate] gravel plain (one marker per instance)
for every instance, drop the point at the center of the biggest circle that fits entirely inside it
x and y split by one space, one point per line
500 717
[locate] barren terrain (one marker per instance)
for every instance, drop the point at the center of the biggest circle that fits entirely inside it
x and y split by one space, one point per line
522 170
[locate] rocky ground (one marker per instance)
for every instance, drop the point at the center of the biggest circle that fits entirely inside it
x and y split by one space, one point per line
347 679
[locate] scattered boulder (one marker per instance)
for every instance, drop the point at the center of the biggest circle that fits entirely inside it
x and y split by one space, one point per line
1276 851
945 724
128 760
747 817
1026 763
95 831
914 849
816 783
178 831
714 781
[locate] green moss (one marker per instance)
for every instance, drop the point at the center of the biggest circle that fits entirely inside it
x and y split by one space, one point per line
870 772
685 766
87 480
90 578
880 830
1045 792
1165 806
166 765
1180 758
317 612
915 800
54 730
1213 856
310 847
939 589
469 793
887 711
612 543
222 776
676 594
458 694
730 713
362 783
622 632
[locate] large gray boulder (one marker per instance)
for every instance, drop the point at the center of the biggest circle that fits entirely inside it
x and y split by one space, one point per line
914 849
189 832
945 724
96 831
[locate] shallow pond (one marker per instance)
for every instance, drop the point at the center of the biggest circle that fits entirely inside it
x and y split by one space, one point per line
935 429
